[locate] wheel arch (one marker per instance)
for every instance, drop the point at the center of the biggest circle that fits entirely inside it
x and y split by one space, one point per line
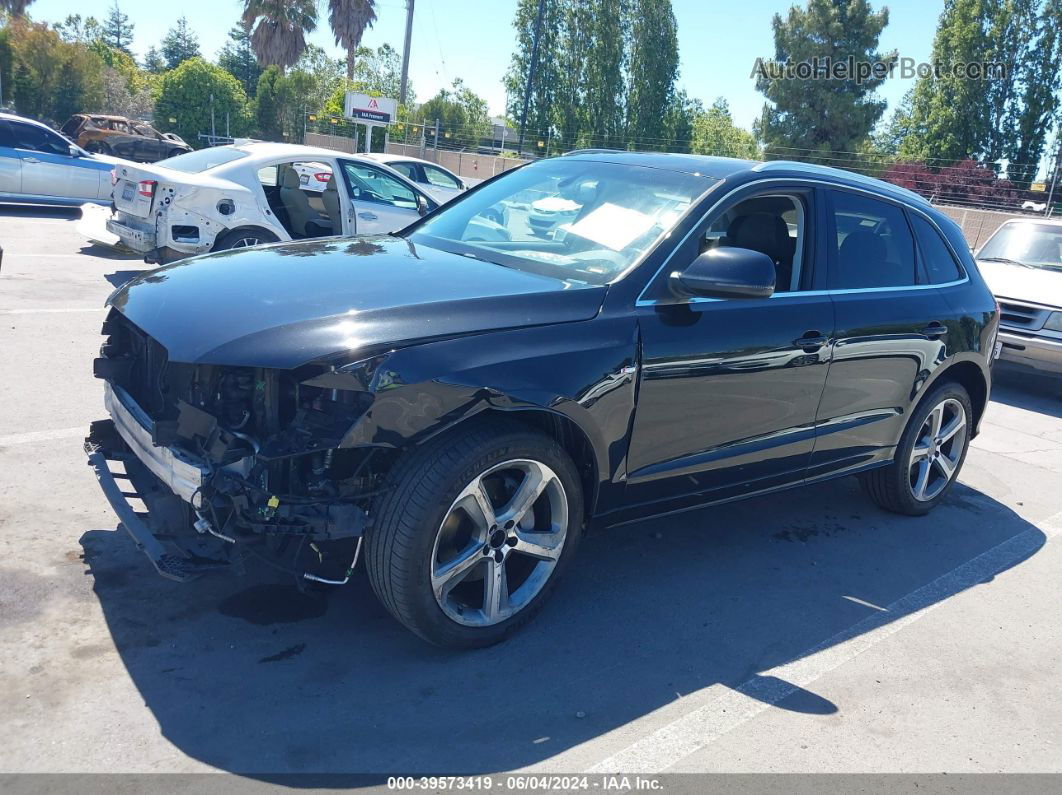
971 376
240 229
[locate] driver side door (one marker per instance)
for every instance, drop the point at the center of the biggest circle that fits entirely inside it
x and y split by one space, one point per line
380 203
48 168
729 387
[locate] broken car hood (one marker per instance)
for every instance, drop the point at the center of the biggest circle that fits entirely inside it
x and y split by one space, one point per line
288 304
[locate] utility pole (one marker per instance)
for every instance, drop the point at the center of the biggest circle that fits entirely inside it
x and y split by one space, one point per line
405 53
1054 176
531 73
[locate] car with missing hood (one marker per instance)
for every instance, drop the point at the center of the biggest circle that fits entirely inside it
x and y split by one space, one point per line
458 410
129 139
254 192
1022 263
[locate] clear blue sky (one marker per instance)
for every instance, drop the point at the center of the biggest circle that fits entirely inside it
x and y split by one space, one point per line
474 39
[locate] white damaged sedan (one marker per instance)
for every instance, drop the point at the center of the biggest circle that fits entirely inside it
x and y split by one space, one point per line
254 192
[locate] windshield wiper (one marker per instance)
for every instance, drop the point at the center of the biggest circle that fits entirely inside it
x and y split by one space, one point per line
1006 261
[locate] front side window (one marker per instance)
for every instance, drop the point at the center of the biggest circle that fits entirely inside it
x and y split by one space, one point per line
440 179
939 262
774 225
582 221
874 246
370 184
1026 243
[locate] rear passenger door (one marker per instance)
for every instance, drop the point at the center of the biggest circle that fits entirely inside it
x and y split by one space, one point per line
891 331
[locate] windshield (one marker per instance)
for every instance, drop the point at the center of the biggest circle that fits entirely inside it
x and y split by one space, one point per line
1031 244
203 160
576 220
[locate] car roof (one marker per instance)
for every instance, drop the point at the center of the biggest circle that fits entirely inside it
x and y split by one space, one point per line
727 167
388 157
1032 219
16 117
267 150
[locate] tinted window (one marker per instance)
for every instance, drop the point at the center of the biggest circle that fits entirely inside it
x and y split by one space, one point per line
939 263
874 244
38 139
439 178
6 136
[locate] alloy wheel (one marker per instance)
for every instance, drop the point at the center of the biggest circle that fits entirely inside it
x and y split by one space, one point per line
246 242
937 450
499 543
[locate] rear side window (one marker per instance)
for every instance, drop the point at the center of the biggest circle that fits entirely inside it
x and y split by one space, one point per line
940 264
407 170
439 178
874 244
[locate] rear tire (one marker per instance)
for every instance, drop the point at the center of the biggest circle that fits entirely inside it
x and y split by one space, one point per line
242 238
929 456
461 573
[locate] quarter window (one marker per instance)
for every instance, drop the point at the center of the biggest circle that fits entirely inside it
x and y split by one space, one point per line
874 246
939 262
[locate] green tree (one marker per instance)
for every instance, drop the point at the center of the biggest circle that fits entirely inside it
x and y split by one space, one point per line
77 29
267 104
462 115
51 78
118 30
888 140
822 116
680 120
611 45
349 20
654 63
189 92
15 7
153 62
544 88
179 44
238 59
714 133
278 29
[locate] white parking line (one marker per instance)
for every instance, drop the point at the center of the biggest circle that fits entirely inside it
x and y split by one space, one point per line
52 310
42 436
693 731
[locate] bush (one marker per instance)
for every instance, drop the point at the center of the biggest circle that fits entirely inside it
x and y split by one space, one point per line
185 96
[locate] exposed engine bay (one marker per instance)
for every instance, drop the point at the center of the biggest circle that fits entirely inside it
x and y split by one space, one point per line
249 454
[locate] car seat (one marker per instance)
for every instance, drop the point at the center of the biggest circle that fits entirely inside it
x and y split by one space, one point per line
330 199
296 203
862 261
769 235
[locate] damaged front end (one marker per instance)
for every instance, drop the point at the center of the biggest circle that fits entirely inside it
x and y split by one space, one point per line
230 462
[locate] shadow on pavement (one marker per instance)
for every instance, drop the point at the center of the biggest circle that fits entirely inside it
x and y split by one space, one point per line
39 211
1027 390
251 677
118 278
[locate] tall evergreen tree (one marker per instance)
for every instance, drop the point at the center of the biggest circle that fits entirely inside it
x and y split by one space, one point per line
605 92
654 63
823 116
118 30
153 62
238 59
544 88
179 44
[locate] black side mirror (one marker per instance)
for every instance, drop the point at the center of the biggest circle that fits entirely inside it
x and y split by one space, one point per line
726 272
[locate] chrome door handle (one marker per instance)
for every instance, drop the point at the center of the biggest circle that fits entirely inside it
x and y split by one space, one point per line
30 160
935 330
810 342
367 216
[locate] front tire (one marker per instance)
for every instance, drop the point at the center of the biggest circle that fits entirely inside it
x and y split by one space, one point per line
473 532
929 456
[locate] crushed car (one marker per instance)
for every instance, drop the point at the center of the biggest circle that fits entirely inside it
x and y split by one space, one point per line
128 139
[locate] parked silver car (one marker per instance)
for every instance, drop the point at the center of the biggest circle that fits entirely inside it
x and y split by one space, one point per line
40 166
1022 263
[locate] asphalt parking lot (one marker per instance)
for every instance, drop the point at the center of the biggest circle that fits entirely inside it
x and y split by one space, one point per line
807 631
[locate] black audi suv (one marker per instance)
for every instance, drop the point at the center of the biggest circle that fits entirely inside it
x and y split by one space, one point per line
458 401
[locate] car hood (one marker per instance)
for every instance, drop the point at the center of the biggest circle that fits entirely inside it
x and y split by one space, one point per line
1036 285
288 304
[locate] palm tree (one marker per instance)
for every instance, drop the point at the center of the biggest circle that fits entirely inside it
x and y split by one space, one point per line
279 29
349 20
16 7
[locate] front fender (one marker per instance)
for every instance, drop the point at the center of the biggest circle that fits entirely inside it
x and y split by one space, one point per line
585 372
